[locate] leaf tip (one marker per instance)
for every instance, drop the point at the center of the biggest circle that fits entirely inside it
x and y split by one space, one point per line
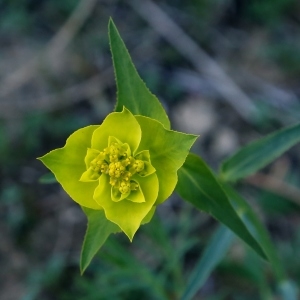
40 158
82 267
111 25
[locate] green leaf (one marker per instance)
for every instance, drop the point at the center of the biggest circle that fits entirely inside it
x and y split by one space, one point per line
197 185
98 230
132 91
258 154
213 254
168 150
257 230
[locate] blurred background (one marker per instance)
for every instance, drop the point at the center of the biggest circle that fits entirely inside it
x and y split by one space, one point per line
228 70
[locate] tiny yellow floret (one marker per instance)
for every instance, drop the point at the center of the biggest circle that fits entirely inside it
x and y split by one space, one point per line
124 187
117 162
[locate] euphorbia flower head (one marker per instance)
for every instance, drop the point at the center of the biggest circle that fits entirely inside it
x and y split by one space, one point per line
126 166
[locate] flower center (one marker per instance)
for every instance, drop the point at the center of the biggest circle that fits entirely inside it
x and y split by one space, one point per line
117 162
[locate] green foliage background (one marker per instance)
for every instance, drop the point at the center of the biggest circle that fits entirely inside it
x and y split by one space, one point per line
42 230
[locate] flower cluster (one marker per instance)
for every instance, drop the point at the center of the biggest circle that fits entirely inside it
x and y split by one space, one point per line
125 166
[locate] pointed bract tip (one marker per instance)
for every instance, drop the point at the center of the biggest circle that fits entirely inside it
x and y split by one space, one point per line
111 23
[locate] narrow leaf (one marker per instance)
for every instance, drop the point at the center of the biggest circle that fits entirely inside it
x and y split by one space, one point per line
213 254
132 91
258 154
197 185
257 230
98 230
